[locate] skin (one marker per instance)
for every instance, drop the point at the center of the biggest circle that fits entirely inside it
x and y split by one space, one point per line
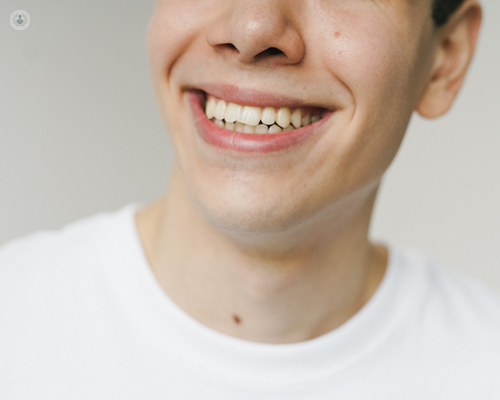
274 247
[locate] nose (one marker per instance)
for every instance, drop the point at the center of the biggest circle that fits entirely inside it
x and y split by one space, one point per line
250 31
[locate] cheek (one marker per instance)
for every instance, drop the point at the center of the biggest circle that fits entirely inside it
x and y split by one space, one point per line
368 50
370 54
173 27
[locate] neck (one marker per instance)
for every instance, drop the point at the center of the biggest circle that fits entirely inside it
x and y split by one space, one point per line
281 288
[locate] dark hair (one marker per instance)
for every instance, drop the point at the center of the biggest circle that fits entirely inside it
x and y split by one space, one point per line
442 9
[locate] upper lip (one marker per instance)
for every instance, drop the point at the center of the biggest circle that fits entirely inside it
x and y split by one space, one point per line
251 97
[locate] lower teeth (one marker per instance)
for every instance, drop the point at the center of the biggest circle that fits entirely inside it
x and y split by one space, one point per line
259 129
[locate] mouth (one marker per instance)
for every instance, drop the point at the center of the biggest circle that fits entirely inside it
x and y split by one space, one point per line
257 123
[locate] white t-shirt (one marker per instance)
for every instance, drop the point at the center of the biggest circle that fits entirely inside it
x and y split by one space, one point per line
83 317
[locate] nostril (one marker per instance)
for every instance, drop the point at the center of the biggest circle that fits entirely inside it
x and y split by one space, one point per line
226 47
272 51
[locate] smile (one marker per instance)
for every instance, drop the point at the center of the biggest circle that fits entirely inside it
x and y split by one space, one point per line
250 128
257 120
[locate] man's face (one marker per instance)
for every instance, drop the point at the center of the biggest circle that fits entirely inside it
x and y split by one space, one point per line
365 63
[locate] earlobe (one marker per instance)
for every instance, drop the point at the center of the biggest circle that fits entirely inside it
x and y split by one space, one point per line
432 103
456 44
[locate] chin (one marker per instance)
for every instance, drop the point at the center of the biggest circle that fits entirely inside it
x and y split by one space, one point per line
241 214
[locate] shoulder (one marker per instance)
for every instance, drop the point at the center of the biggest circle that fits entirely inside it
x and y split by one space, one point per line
450 296
453 330
48 258
456 297
56 292
41 247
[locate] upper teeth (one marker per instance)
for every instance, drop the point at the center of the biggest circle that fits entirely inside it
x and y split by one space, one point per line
255 119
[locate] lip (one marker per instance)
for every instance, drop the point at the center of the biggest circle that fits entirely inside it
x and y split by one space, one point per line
251 97
245 142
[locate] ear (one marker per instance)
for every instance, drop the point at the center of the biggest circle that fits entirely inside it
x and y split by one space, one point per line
456 41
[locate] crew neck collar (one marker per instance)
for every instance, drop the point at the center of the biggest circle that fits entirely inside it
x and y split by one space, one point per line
212 353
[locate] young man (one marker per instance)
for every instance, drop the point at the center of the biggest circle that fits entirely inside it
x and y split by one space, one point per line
253 277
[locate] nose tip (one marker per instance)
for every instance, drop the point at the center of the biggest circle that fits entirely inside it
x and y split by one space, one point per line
257 31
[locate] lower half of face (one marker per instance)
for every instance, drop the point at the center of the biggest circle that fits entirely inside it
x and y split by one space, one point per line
252 167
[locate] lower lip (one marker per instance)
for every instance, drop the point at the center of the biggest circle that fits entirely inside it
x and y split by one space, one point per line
245 142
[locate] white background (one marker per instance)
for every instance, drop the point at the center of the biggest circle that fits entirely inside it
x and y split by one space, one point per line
80 133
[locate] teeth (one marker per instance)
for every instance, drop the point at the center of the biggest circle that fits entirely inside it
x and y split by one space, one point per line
297 118
210 109
250 115
220 109
239 127
274 129
254 120
261 129
283 117
268 116
233 112
248 129
306 120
